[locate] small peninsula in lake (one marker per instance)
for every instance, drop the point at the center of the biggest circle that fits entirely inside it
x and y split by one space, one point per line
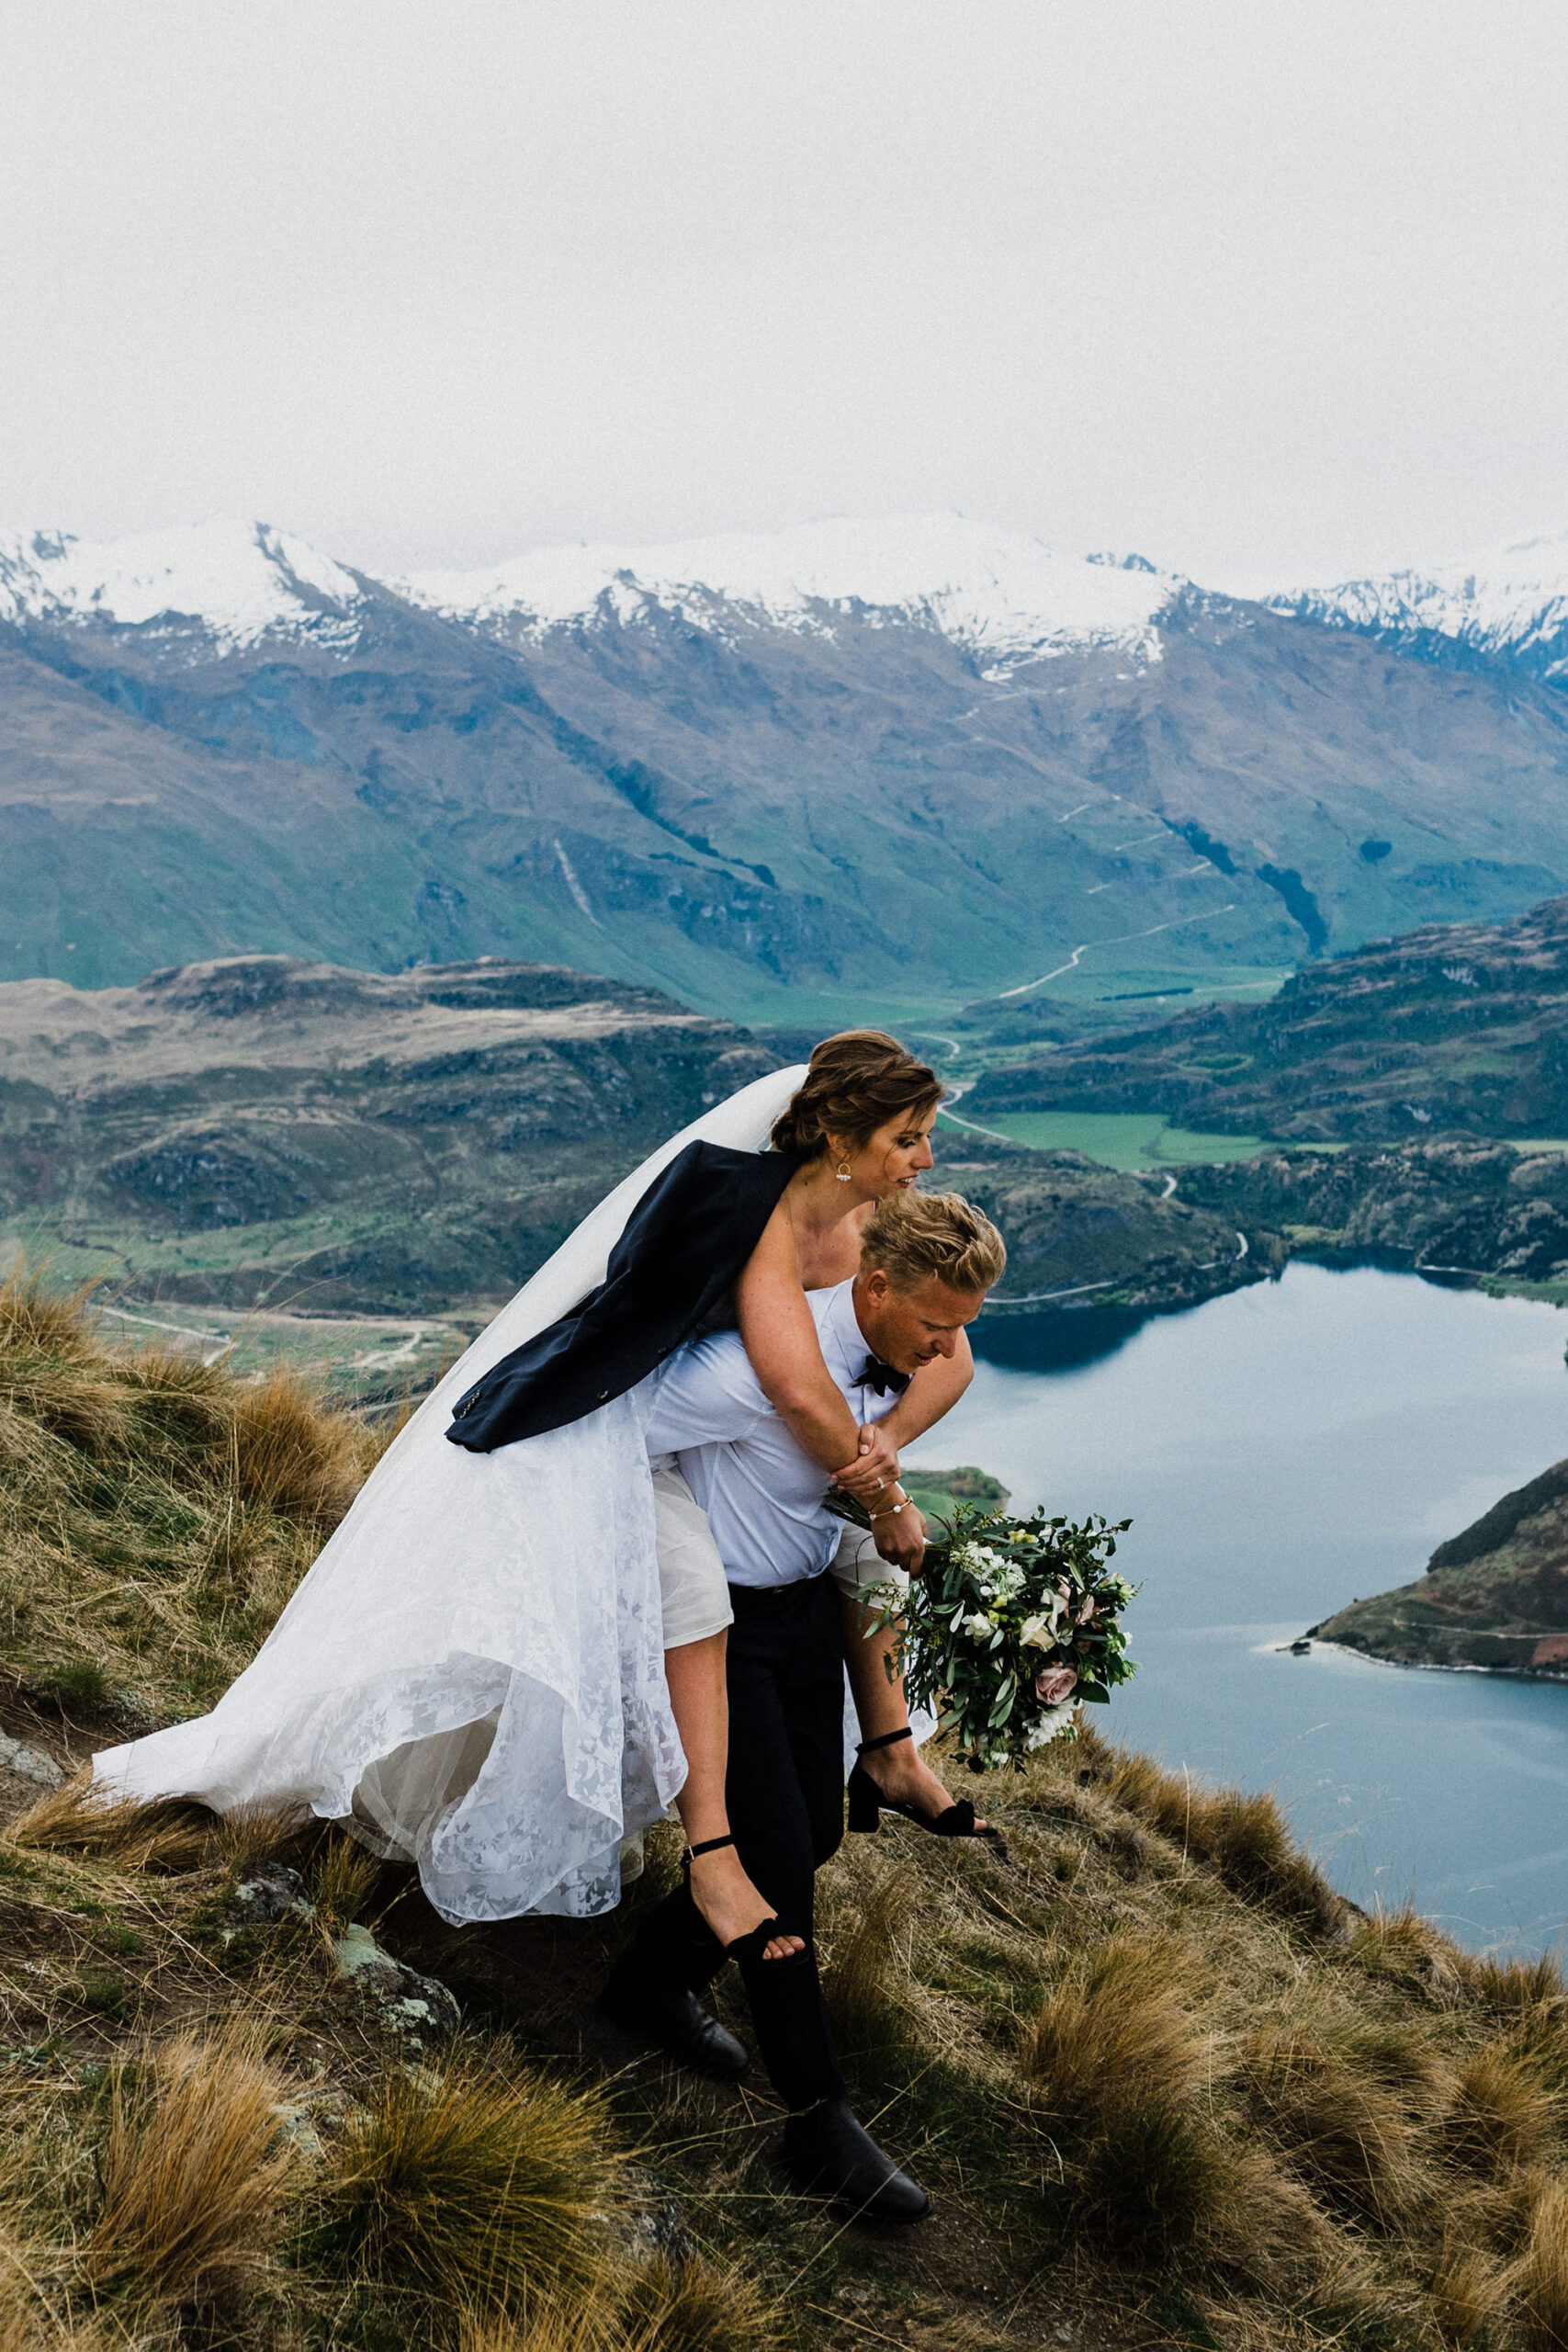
1494 1597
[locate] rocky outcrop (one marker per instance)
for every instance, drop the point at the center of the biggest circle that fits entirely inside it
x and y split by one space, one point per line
1079 1235
1489 1209
374 1141
1493 1596
1455 1029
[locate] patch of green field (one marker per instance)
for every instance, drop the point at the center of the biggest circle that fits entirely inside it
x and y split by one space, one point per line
1120 1139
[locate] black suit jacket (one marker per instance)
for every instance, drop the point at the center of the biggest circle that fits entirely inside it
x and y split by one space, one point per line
684 1243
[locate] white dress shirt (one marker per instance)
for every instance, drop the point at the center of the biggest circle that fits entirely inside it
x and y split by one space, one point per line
764 1495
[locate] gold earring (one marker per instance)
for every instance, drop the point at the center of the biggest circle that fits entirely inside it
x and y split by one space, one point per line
842 1171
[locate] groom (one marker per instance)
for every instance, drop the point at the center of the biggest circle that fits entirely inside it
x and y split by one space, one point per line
927 1260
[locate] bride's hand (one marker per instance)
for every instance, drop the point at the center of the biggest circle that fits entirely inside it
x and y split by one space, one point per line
874 1468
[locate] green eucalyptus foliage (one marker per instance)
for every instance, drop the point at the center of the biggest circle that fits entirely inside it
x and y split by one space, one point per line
1000 1604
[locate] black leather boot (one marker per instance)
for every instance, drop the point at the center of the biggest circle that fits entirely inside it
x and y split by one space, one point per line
677 2023
827 2150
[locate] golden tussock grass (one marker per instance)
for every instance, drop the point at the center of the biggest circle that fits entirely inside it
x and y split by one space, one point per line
1519 1991
343 1883
193 2171
289 1455
864 1966
1463 2295
155 1512
587 2325
1350 2135
167 1836
1117 2027
1116 2066
1541 2286
1502 2118
1408 1950
697 2306
1242 1837
486 2187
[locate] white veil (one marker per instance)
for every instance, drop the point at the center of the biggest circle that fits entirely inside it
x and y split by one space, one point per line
471 1675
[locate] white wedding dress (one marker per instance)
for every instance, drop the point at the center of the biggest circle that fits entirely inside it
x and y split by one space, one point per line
471 1675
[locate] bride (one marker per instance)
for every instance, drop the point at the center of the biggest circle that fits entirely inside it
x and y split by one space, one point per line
509 1659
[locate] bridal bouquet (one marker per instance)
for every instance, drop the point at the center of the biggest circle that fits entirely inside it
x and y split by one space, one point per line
1010 1624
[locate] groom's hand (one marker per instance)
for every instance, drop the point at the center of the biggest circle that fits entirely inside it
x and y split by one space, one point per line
874 1468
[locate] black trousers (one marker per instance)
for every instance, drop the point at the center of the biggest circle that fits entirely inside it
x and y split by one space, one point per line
785 1794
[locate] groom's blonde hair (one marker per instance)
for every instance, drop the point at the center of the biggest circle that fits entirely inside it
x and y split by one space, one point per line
913 1236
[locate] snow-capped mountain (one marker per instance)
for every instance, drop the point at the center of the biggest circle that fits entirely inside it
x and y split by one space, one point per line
1509 605
1004 598
913 760
236 583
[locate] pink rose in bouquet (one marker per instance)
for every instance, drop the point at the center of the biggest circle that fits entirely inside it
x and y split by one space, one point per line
1053 1684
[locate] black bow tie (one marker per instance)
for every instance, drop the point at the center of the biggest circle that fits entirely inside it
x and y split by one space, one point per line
881 1377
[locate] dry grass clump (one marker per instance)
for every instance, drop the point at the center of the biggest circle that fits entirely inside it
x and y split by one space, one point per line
1463 2295
1152 2181
1114 2062
1518 1992
28 2325
155 1512
1241 1836
1541 2322
1409 1951
474 2185
1501 2118
860 1981
697 2306
1117 2026
166 1836
1349 2134
193 2171
583 2326
343 1883
292 1457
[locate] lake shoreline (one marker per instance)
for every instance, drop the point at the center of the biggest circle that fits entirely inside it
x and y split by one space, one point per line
1425 1665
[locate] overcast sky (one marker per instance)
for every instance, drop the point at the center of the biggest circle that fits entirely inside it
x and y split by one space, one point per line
1268 291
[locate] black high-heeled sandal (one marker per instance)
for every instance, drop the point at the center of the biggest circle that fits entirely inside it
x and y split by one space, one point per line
867 1804
753 1944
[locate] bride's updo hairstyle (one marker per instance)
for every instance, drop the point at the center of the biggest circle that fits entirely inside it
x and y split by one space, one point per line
857 1082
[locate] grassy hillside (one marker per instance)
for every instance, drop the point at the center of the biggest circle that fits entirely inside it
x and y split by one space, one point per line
1165 2087
1494 1596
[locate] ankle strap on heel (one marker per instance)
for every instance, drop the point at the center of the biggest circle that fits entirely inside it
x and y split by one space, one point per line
708 1845
888 1739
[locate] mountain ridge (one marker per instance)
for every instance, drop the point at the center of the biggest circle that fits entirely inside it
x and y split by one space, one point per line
1509 603
1028 775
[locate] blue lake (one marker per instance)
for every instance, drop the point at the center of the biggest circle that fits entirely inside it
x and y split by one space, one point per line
1281 1452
